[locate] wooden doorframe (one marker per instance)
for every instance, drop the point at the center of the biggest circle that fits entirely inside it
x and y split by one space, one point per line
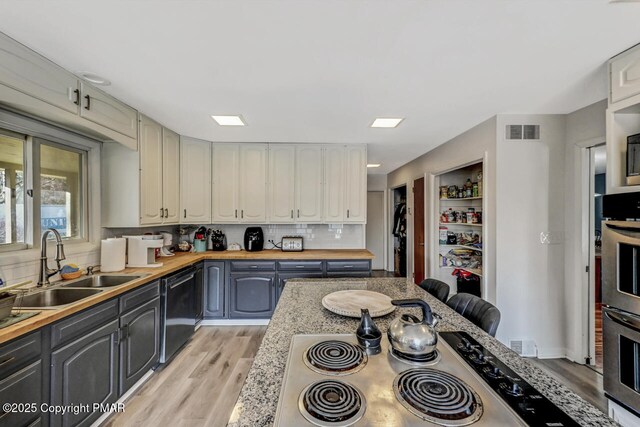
419 229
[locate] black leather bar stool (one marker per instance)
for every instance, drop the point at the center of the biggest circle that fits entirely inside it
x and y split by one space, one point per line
436 288
480 312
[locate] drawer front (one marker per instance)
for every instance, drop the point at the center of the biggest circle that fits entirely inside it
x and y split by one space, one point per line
356 265
299 265
16 353
347 274
84 322
253 266
23 387
139 296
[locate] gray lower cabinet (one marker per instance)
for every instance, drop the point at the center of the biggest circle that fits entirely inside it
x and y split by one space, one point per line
199 299
85 371
140 342
251 295
283 277
214 295
23 387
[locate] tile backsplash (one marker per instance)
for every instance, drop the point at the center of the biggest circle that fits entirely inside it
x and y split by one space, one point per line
28 270
316 236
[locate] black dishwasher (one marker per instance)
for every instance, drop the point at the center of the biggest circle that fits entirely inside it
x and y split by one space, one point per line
178 311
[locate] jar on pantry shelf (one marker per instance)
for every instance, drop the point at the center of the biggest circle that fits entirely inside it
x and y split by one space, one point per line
444 192
480 184
468 188
453 191
443 235
477 218
474 191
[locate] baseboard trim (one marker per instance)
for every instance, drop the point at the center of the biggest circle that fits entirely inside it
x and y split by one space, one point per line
234 322
124 398
552 353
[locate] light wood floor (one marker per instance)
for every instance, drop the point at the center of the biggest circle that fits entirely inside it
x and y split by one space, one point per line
584 381
201 385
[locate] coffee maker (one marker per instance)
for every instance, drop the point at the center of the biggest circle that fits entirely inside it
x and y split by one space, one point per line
253 239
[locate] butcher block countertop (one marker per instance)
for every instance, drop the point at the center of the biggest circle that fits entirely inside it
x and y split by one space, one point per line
170 264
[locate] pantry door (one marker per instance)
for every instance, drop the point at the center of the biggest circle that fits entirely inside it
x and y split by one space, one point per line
418 230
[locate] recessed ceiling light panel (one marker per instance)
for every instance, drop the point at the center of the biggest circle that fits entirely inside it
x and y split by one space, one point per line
373 165
229 120
94 78
386 122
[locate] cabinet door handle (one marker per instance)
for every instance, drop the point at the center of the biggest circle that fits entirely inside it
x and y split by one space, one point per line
161 213
9 360
291 213
77 100
347 213
242 213
298 213
88 106
236 213
166 212
348 266
125 332
185 213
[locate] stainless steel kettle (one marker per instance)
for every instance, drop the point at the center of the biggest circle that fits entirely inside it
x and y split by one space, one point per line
408 335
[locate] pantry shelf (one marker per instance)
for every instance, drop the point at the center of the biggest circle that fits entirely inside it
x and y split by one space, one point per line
473 248
476 271
461 223
460 199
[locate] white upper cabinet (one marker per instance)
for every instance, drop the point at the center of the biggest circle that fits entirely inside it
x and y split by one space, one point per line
142 187
151 209
31 83
282 183
625 75
345 184
107 111
334 183
308 183
28 72
253 183
195 181
356 184
171 176
224 164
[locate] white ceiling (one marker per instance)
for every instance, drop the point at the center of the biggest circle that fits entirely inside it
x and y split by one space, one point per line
322 70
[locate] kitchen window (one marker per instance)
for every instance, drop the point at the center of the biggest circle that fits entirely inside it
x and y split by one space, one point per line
43 185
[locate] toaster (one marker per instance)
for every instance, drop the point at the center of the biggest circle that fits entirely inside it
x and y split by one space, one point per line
291 244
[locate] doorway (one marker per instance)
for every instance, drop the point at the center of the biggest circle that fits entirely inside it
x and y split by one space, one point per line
375 228
597 189
399 231
418 230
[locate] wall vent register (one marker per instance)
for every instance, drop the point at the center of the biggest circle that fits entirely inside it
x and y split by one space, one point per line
523 132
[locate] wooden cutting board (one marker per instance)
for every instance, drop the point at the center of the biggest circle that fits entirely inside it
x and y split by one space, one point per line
348 303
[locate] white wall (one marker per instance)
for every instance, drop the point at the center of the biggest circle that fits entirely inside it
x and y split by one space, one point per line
465 148
376 182
584 127
530 201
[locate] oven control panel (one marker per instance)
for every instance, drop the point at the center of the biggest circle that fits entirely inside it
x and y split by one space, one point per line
526 401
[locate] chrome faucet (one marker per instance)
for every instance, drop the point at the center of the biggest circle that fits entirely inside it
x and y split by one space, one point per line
45 271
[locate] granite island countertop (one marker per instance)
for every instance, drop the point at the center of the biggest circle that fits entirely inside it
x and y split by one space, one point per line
300 311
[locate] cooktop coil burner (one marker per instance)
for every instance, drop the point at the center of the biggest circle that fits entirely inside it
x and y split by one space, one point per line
335 358
425 360
332 403
437 397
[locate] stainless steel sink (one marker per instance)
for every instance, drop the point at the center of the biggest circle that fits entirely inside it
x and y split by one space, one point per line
100 281
53 298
